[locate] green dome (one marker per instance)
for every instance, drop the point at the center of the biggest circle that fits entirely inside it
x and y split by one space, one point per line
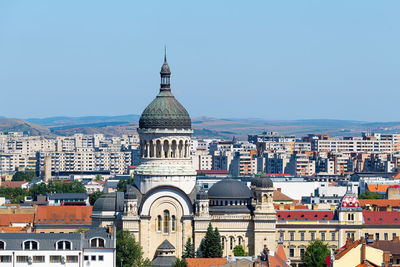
165 112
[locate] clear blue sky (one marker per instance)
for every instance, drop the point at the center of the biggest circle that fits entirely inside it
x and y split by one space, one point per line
264 59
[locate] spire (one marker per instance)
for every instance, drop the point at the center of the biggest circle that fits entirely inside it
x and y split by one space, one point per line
165 74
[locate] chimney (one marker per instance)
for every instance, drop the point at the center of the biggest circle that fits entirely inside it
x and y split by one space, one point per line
291 207
279 189
281 206
396 239
315 206
389 208
47 168
386 258
349 242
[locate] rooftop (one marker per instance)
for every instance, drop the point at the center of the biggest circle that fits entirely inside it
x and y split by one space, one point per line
63 215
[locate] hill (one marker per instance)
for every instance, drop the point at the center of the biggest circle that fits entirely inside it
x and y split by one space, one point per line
15 125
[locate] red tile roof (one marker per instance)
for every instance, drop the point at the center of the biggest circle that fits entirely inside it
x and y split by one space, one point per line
304 215
8 219
287 206
381 217
279 196
63 215
380 202
379 188
13 229
12 184
205 262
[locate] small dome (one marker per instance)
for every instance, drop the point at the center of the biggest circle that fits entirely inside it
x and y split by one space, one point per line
130 192
262 181
229 189
165 68
350 201
165 112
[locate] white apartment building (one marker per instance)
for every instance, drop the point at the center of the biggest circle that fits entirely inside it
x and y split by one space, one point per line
201 160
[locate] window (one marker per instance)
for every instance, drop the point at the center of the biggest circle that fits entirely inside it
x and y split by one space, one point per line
376 236
350 235
281 235
2 245
386 236
312 235
72 259
301 252
173 223
93 257
166 221
97 243
323 236
159 223
55 259
101 258
86 258
393 235
291 252
231 241
240 240
5 258
291 236
302 234
38 258
63 245
333 236
22 258
31 245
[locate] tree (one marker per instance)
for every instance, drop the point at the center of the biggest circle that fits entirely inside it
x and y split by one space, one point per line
212 243
94 196
199 252
315 254
239 251
180 263
98 177
19 176
129 252
123 183
189 250
57 187
369 195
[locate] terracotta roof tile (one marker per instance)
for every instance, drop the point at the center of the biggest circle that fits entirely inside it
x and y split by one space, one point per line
379 188
12 184
63 215
279 196
380 202
381 217
8 219
304 215
13 229
205 262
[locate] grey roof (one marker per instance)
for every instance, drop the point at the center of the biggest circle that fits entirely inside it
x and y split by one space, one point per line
67 195
262 181
229 189
15 241
166 245
230 209
110 202
130 192
48 241
162 261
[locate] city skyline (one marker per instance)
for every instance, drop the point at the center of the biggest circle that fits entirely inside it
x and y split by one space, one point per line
330 60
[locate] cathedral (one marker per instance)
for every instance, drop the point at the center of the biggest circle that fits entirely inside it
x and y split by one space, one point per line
164 208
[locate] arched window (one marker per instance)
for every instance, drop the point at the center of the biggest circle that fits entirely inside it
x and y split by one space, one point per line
166 221
64 245
223 240
97 243
159 223
31 245
231 242
173 223
240 240
2 245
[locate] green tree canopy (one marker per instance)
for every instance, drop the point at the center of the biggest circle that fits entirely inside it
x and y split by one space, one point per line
370 195
180 263
239 251
23 176
189 250
129 252
212 243
94 196
315 254
123 183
